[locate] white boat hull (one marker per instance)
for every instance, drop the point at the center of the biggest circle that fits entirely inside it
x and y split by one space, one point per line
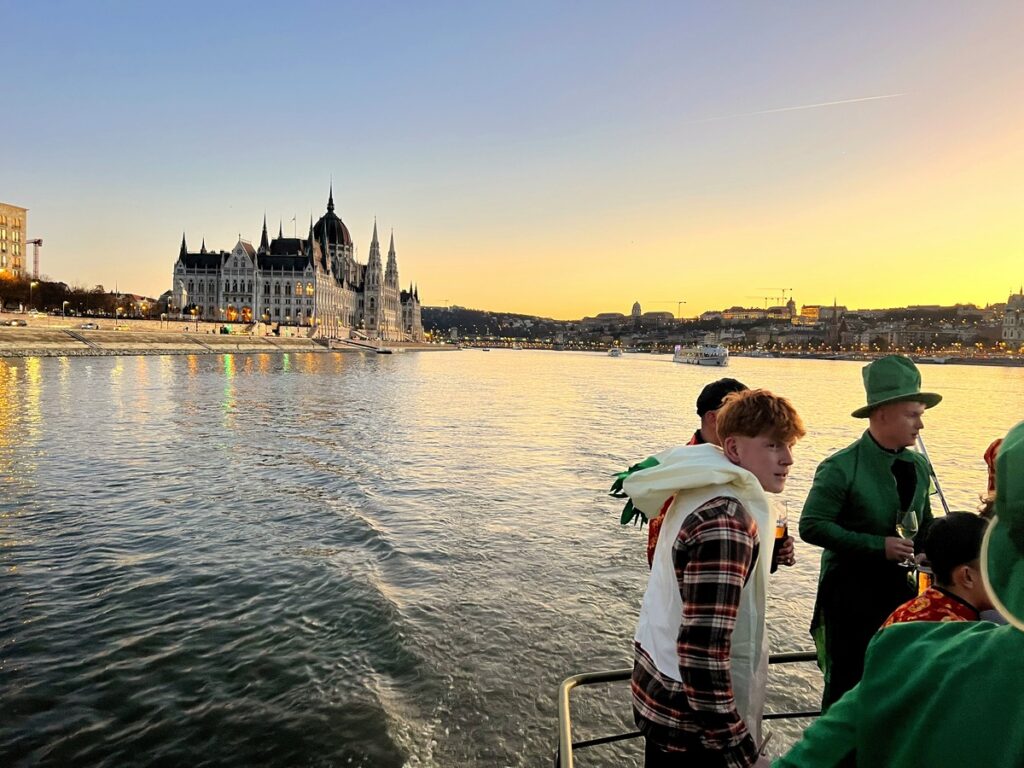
706 354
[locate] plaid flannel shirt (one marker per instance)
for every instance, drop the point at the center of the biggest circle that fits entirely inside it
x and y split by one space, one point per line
713 554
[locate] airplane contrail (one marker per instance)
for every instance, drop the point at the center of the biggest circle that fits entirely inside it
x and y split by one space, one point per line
799 106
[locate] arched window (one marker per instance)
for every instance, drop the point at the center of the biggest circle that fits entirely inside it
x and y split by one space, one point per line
227 286
309 289
266 289
250 287
287 289
190 286
201 284
277 289
234 287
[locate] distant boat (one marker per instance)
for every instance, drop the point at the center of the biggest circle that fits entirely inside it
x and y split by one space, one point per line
614 352
485 349
384 351
703 354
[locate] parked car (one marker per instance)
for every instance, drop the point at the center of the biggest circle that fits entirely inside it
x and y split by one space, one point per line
88 326
17 322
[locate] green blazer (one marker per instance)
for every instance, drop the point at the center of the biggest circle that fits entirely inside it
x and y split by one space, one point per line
853 503
935 695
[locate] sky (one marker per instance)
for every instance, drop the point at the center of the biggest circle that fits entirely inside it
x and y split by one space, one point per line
558 159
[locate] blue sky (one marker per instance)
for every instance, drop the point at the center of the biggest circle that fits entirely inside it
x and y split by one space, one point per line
559 159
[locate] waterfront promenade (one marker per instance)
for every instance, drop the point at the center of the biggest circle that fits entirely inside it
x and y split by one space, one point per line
48 336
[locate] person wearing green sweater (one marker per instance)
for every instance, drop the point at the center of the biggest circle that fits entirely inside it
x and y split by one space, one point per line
857 500
944 694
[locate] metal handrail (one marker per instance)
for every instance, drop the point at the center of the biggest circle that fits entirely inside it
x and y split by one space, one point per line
564 757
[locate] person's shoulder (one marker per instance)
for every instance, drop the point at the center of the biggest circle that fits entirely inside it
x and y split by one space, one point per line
913 637
722 511
839 465
918 459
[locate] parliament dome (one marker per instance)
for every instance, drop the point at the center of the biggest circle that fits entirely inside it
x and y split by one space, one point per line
330 228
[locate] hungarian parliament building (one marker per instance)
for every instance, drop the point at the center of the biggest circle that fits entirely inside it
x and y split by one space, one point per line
314 282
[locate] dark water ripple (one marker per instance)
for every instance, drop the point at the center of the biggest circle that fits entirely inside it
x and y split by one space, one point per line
334 560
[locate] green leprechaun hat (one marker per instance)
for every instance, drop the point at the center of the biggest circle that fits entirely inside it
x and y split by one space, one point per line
893 379
1002 552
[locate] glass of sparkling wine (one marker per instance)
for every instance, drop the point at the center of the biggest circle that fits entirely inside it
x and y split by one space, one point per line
906 528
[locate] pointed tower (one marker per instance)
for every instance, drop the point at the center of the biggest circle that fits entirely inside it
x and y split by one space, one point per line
373 295
184 248
280 230
374 268
391 276
264 242
202 248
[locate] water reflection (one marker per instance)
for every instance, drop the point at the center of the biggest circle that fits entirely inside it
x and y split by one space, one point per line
361 545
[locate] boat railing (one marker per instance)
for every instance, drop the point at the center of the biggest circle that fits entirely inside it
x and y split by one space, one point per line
564 755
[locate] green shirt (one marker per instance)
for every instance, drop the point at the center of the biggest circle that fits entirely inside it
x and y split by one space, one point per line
933 694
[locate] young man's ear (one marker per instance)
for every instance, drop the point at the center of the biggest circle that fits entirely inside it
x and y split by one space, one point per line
729 447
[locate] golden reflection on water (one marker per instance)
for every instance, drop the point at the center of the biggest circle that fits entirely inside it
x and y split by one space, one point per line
33 397
140 406
228 403
193 365
8 418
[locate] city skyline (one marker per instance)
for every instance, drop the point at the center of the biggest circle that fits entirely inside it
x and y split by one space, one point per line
536 159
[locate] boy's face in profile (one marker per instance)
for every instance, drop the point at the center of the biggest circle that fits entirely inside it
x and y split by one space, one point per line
766 457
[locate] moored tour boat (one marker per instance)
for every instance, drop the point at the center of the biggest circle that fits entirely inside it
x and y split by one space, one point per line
703 354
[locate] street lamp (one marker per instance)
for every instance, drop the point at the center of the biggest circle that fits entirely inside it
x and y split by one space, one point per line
63 304
31 285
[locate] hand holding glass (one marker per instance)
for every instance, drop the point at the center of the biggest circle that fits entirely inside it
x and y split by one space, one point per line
906 528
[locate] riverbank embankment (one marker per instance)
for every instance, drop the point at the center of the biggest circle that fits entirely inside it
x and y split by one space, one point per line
66 342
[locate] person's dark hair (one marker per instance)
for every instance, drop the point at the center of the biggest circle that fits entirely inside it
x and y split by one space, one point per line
952 541
711 397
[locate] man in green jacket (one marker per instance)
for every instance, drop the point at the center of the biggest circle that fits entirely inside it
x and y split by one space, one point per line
947 693
858 497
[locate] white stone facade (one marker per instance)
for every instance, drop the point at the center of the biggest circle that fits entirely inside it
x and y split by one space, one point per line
313 282
1013 319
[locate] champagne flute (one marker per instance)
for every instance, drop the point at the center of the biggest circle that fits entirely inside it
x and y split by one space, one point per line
906 528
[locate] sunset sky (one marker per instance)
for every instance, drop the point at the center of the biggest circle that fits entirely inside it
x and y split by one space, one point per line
545 158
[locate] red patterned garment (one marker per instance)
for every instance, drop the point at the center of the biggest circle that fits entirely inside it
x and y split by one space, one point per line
654 526
934 604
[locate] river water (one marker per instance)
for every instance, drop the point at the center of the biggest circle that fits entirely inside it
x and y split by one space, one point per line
288 560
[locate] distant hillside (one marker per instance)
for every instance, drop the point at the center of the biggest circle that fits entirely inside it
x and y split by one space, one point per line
478 322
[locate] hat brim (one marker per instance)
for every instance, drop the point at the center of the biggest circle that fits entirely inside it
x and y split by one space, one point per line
1002 570
929 399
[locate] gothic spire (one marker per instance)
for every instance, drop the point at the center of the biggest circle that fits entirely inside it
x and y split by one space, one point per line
184 248
202 248
330 199
280 230
391 248
264 244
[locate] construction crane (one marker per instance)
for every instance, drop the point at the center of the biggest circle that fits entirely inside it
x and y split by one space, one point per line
679 305
36 245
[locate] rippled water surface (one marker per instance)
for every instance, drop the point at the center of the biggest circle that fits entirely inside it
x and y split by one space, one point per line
371 561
